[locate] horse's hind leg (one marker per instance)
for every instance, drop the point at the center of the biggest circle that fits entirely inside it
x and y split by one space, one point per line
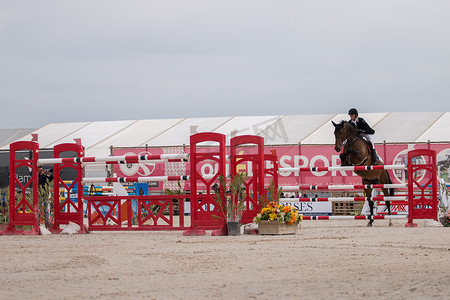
371 214
368 193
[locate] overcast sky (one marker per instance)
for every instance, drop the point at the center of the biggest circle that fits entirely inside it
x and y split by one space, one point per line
69 61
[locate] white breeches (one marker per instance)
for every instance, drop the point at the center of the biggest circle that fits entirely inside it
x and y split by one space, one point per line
369 137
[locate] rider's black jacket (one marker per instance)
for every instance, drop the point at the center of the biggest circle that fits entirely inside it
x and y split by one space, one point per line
362 126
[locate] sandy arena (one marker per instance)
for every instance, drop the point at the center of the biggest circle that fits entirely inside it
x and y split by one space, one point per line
326 260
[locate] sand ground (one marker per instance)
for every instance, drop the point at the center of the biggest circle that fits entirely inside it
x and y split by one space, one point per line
326 260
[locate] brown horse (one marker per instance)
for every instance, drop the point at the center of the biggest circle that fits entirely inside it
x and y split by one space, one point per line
357 152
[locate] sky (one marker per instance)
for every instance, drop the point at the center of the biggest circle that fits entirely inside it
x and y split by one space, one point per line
106 60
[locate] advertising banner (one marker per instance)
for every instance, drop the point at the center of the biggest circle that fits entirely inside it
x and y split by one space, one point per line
288 156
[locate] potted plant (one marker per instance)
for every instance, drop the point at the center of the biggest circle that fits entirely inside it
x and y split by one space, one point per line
277 218
231 203
272 195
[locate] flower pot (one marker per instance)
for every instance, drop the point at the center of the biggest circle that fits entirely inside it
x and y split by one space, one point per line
273 227
234 228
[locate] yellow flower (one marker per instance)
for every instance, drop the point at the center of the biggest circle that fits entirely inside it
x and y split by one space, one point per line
278 212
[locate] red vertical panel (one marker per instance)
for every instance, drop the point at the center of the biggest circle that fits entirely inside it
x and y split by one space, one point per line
255 182
22 213
203 207
68 210
422 185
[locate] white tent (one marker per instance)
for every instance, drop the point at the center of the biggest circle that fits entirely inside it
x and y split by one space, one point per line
98 137
8 136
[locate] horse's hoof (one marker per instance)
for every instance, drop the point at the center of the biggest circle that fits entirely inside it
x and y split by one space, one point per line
390 223
369 224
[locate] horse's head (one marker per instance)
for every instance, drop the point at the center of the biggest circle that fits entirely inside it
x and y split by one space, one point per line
339 135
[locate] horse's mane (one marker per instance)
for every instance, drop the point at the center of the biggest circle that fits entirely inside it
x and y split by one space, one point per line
350 128
342 124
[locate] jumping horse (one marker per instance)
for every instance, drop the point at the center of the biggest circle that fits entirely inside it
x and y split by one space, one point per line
357 152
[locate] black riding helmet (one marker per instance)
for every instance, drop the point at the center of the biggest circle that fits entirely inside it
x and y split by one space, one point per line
353 111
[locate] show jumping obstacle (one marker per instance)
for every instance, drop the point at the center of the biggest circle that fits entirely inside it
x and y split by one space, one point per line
106 213
116 212
204 210
422 198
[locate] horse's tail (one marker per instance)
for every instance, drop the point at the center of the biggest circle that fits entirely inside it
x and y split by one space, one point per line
390 190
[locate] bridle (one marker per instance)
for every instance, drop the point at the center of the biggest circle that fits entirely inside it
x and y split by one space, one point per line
346 140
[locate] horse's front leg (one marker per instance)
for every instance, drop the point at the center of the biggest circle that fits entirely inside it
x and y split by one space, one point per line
368 193
388 205
344 159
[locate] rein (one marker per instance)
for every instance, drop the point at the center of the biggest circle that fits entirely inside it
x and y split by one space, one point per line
356 137
362 162
346 140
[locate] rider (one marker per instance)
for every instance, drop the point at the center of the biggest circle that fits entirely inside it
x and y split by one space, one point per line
364 129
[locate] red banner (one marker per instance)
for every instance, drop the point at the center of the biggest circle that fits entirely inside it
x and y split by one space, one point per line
288 156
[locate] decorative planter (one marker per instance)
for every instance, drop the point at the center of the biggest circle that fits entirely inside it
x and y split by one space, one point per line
273 227
234 228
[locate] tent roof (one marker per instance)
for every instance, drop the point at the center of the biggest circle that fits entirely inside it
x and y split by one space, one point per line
8 136
97 137
404 127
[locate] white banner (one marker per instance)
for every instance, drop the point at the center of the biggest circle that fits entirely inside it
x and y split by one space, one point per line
309 208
